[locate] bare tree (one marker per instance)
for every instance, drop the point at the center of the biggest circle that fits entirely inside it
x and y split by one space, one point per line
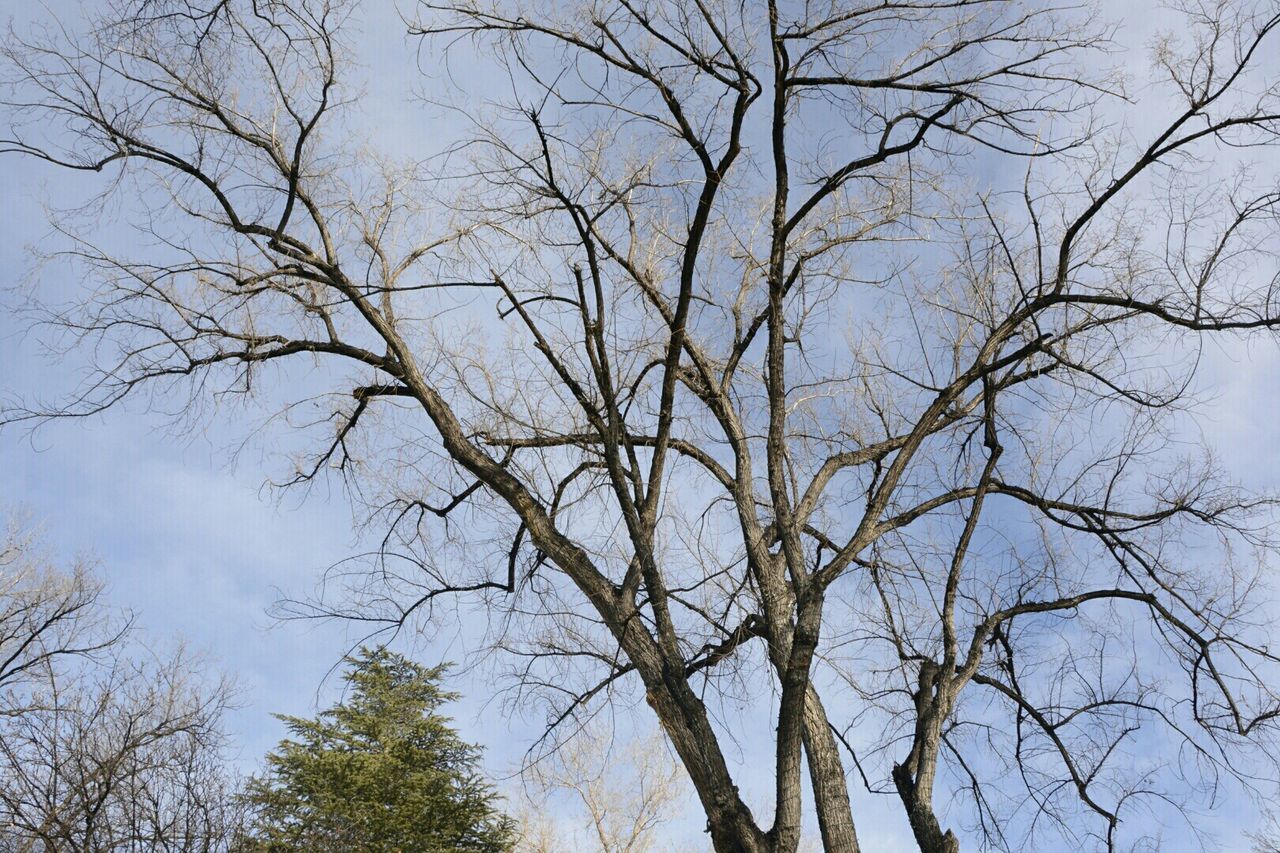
1267 840
625 793
46 614
102 745
830 361
123 756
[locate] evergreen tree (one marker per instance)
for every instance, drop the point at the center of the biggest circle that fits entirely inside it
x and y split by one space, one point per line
380 771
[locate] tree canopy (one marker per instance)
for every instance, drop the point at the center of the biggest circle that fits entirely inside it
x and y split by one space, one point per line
382 770
825 368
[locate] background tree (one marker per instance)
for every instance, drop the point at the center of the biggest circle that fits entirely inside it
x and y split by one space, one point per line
867 331
103 744
125 755
46 613
380 771
625 793
1267 839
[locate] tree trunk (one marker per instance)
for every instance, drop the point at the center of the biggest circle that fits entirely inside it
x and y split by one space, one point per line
924 823
826 773
684 719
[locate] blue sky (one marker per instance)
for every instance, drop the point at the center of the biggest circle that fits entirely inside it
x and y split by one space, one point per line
193 543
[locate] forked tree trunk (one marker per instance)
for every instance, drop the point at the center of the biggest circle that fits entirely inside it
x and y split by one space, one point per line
928 833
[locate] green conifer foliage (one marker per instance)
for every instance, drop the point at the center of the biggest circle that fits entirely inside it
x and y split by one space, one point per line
382 770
